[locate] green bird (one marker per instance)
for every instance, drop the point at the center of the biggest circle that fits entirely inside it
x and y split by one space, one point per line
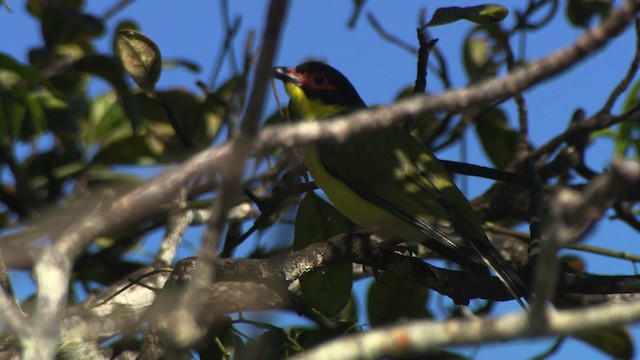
389 180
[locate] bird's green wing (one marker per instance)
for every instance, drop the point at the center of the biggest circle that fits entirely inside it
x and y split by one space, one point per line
393 170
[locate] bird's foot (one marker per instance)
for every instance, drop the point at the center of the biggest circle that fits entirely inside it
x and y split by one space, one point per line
398 247
394 245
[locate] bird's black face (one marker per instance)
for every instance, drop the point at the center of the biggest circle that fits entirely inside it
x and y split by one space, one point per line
320 82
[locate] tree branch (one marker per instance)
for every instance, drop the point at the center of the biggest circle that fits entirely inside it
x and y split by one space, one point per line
420 337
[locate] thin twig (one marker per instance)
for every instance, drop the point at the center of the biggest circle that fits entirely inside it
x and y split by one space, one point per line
627 216
522 146
5 282
231 30
284 114
552 349
116 8
599 121
421 73
536 211
6 6
443 67
178 222
423 59
175 123
133 282
604 252
485 172
13 316
631 73
377 27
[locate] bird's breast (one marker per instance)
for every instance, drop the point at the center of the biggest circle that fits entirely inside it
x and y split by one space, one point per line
359 210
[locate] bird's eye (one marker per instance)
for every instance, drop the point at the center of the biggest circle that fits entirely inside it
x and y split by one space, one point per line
319 79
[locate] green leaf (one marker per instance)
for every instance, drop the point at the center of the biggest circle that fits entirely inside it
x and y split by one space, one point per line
68 80
201 118
624 138
125 25
392 298
229 88
497 137
68 170
141 59
328 289
182 63
129 150
633 96
109 69
106 121
103 176
615 342
476 54
636 146
22 113
4 217
53 165
627 133
481 14
480 50
308 338
12 114
273 344
581 12
27 73
64 25
226 341
36 7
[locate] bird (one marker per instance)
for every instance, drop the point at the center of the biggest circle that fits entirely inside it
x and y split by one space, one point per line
389 180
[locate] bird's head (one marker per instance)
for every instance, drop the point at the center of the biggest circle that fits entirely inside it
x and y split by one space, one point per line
318 90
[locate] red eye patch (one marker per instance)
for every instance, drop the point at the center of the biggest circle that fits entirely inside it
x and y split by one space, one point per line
316 81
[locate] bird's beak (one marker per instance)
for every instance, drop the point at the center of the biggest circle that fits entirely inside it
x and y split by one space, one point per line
287 75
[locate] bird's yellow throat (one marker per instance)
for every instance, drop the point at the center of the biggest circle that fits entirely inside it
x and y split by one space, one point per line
309 109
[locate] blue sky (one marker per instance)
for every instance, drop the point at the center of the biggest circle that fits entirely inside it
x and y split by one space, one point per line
317 29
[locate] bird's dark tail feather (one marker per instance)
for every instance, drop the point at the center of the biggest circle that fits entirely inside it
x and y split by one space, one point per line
505 273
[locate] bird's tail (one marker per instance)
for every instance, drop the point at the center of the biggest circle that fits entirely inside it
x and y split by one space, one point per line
504 271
